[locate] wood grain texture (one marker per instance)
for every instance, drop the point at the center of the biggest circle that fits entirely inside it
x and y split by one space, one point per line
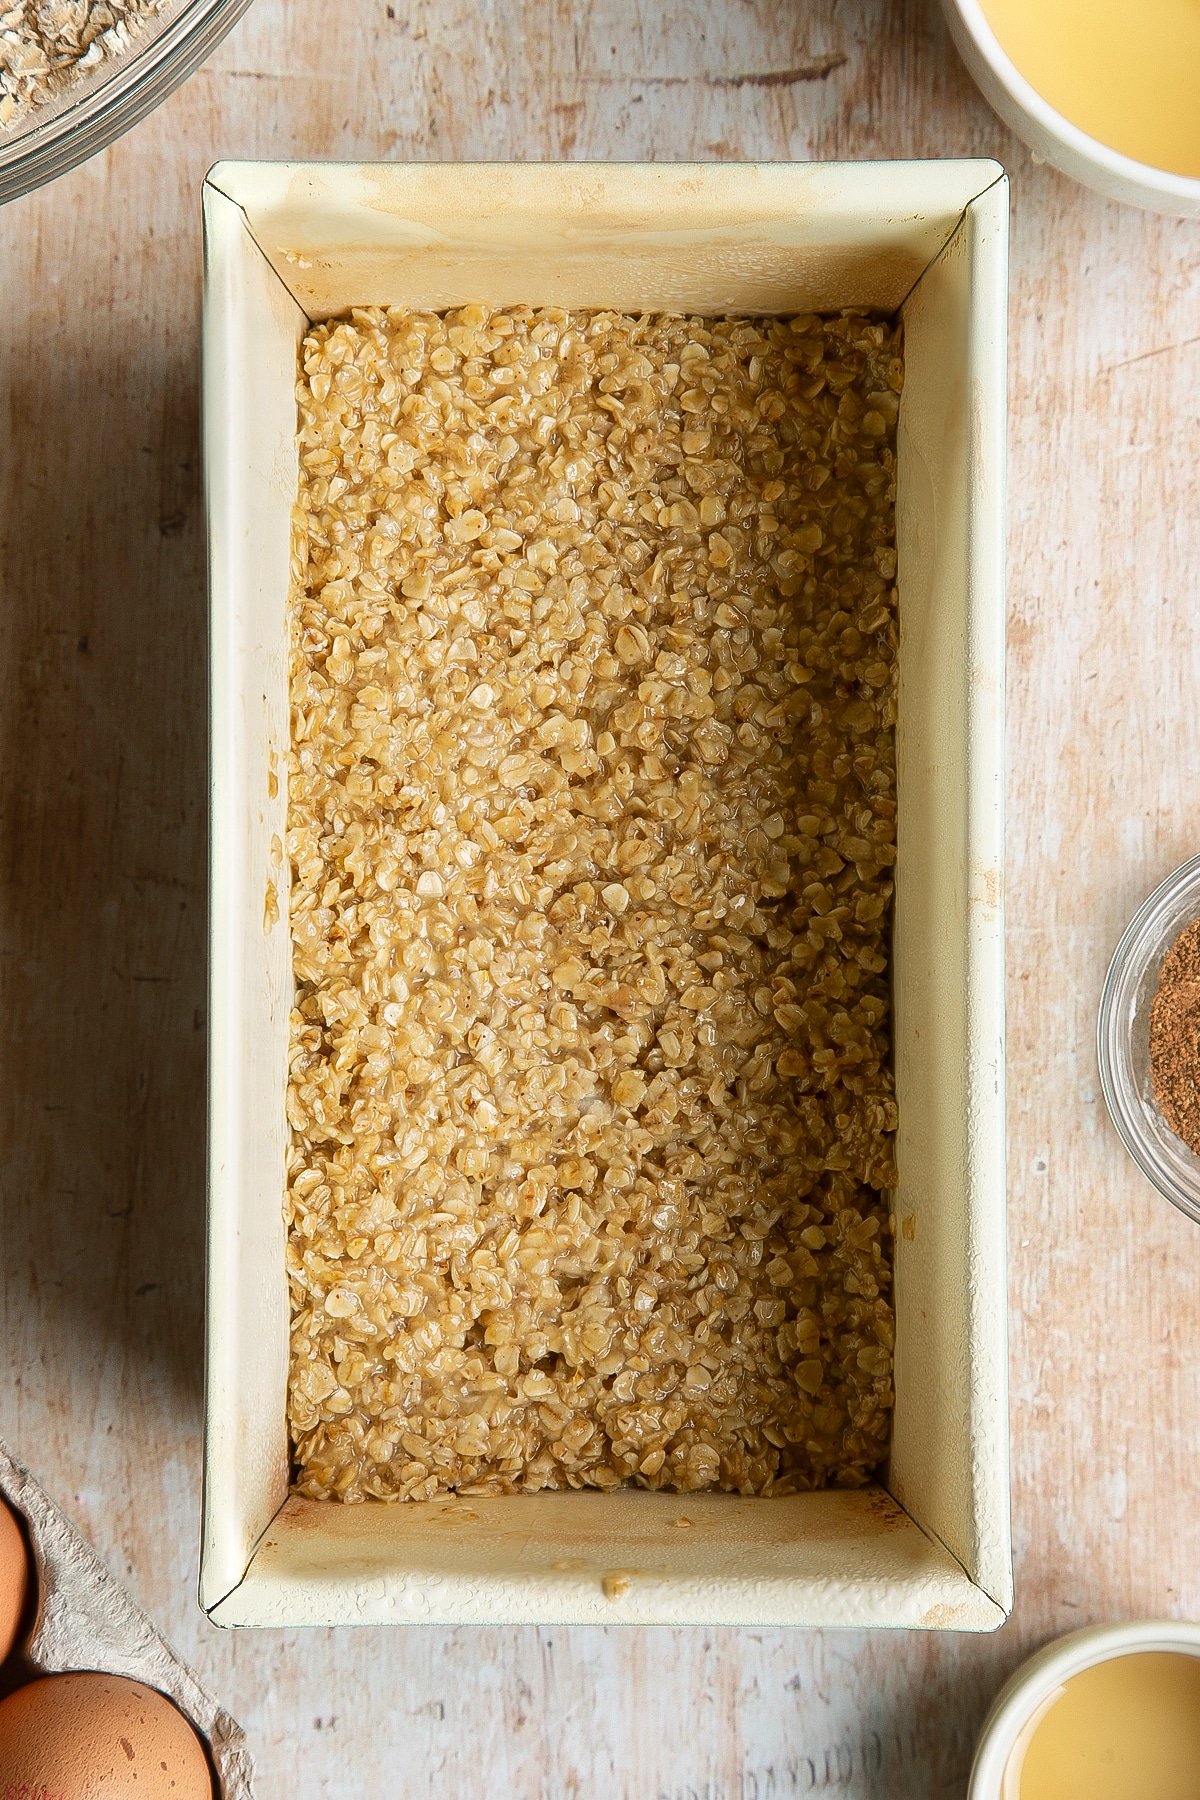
102 844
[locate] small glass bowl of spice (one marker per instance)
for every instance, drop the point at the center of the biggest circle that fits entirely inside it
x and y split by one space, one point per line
1148 1038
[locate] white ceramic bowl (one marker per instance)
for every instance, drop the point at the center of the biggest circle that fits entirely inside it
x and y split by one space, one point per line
1051 136
1036 1680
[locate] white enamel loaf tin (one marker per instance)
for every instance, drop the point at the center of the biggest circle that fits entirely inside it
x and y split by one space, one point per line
288 243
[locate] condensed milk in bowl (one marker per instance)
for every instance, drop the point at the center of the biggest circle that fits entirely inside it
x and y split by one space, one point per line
1111 1713
1105 90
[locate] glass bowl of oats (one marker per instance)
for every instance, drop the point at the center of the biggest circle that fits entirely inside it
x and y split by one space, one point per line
76 74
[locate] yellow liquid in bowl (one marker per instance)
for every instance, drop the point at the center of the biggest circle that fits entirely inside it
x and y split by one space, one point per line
1128 1729
1125 71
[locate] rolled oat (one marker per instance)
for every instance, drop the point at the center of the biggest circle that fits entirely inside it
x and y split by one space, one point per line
46 46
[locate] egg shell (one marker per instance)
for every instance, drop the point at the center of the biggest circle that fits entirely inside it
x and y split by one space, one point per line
98 1737
14 1579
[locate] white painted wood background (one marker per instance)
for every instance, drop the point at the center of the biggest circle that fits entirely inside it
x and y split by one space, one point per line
102 844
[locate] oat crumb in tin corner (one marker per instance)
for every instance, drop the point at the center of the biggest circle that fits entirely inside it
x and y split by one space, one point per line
1175 1038
591 829
48 45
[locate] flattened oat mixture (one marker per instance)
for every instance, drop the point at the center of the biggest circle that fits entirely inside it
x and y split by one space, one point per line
591 829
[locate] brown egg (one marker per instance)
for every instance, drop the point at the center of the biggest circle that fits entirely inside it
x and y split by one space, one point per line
14 1579
98 1737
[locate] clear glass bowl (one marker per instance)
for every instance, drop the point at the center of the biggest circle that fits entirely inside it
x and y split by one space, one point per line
110 98
1123 1039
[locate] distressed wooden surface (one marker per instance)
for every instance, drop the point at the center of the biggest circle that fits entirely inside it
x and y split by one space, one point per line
102 806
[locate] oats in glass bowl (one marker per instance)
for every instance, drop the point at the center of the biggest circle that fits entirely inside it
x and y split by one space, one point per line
48 45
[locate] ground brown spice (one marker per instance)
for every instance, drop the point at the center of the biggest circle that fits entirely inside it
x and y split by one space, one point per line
1175 1037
